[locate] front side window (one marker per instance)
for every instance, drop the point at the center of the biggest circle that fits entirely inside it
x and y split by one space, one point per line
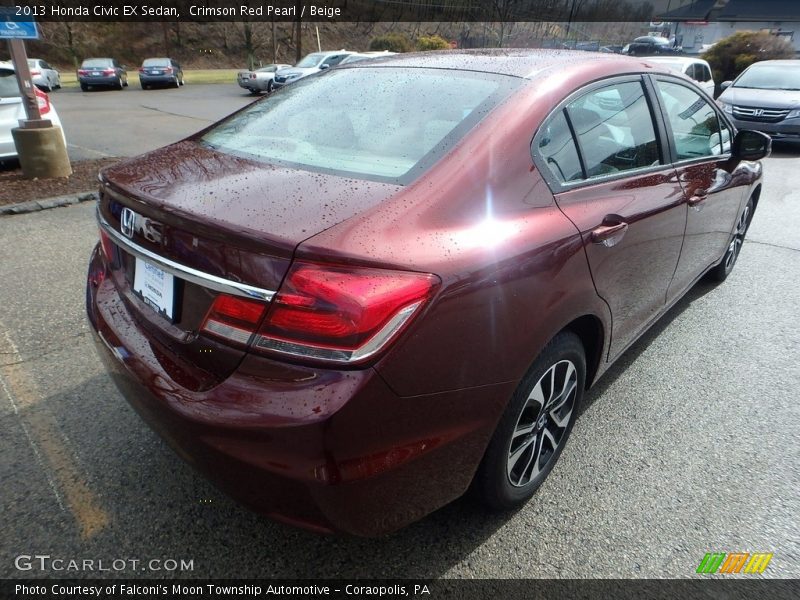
694 122
386 124
615 129
332 61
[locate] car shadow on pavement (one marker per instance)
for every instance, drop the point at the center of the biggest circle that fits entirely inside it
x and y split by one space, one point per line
156 506
783 150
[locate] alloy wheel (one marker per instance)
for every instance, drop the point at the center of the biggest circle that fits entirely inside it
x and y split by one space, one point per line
738 239
543 424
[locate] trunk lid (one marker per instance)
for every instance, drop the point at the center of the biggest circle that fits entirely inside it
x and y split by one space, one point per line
227 218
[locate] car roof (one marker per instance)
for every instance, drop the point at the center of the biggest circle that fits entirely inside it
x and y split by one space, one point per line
516 62
789 62
683 60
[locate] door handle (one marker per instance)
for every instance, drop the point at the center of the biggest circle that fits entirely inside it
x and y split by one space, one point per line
610 233
698 198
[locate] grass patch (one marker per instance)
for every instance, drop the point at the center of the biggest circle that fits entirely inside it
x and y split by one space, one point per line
191 76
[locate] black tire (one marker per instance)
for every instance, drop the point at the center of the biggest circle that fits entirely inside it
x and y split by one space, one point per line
145 86
254 92
725 267
84 87
270 86
118 85
176 83
522 452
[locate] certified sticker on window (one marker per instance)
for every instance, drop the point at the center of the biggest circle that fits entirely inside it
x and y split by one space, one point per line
155 286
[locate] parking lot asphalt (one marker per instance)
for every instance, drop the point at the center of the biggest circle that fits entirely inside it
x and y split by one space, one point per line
103 123
688 445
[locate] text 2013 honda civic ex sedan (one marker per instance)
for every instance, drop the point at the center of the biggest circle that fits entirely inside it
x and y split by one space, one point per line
350 301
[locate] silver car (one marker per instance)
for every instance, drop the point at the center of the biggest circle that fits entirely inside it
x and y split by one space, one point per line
44 76
259 80
312 63
765 97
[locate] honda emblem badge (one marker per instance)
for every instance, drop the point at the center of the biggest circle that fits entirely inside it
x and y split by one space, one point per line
127 221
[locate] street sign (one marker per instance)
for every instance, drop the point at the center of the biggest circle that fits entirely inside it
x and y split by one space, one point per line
14 27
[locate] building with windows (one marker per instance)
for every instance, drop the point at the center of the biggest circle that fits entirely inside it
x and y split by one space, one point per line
704 22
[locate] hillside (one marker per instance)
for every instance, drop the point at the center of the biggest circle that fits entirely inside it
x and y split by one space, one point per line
234 45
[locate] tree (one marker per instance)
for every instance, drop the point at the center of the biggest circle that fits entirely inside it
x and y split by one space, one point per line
432 42
394 42
733 54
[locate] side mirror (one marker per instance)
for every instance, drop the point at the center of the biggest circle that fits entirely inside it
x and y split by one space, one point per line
751 145
725 85
324 66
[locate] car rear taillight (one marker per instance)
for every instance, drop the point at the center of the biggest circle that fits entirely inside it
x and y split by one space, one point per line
341 314
83 72
108 71
107 246
34 73
141 69
252 75
43 101
168 70
233 318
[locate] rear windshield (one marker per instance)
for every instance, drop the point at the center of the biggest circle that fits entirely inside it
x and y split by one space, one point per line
770 77
8 84
96 62
156 62
383 123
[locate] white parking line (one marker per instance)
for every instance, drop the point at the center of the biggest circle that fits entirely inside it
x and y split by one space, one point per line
85 149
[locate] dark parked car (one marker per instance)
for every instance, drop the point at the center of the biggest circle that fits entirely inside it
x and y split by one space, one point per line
766 97
356 298
160 72
650 45
102 72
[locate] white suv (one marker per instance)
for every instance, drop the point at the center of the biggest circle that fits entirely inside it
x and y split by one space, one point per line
693 68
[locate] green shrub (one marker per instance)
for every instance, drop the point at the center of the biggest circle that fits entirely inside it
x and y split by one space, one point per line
432 42
733 54
394 42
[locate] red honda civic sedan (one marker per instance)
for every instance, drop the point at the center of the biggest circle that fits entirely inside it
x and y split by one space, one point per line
354 299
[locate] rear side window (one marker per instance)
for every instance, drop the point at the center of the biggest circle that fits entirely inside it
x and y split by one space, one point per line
332 61
615 129
694 123
557 148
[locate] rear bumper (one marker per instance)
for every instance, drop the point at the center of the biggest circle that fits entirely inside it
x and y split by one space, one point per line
254 84
321 449
7 147
99 81
788 129
156 79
